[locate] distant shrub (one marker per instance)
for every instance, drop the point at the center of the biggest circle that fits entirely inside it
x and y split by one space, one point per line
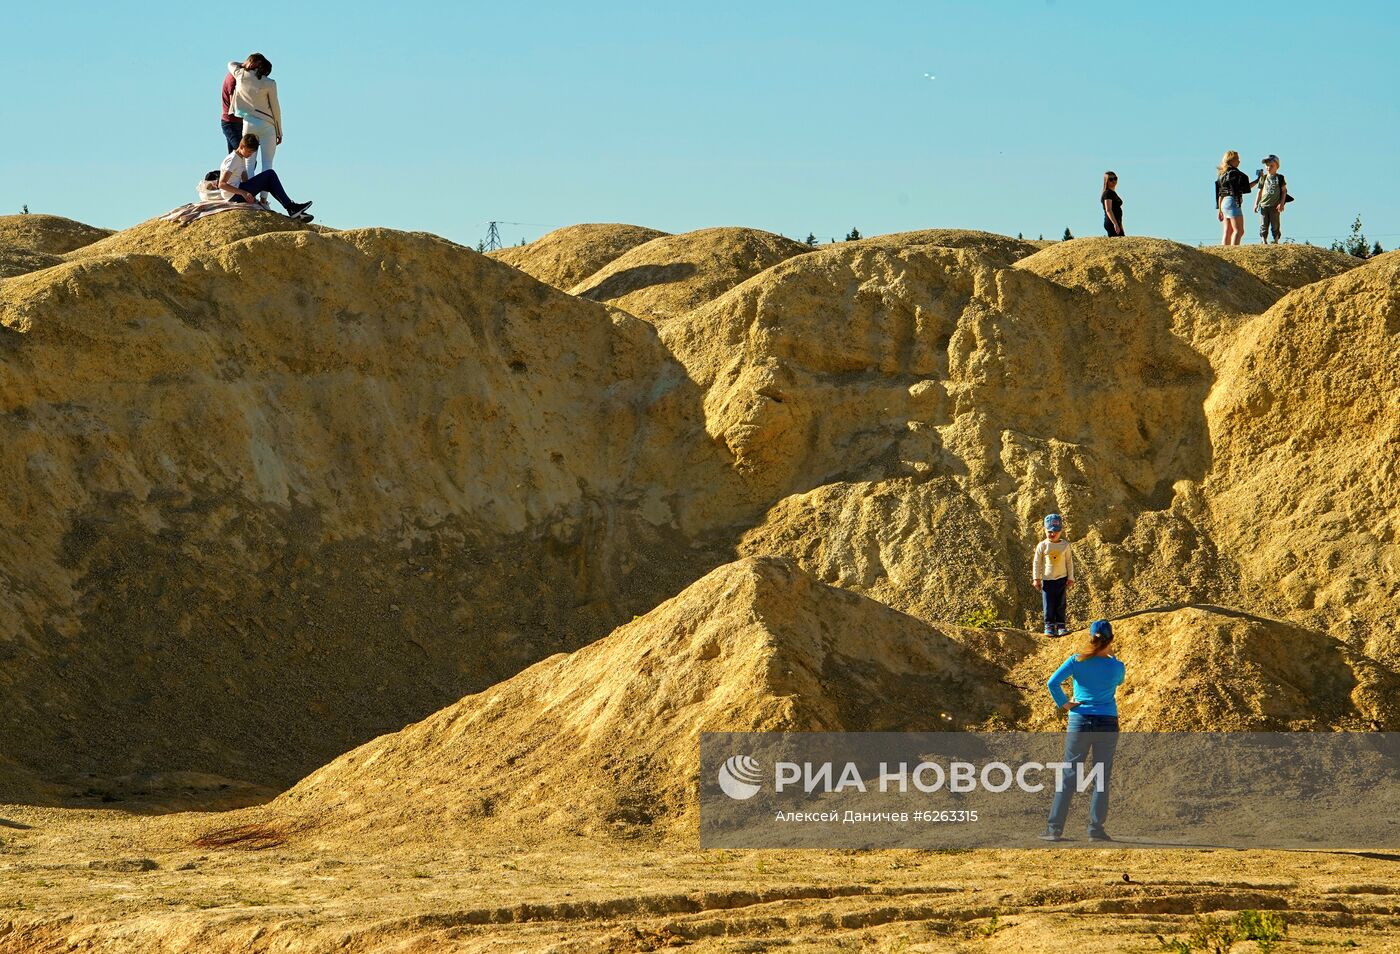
984 617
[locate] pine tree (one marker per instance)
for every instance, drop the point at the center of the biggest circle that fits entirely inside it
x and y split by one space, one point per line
1376 249
24 209
1068 234
811 240
481 246
854 235
1019 235
1355 243
1042 237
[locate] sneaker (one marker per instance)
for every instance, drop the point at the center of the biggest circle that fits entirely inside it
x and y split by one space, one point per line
1063 631
1100 835
1050 834
297 208
1050 631
304 217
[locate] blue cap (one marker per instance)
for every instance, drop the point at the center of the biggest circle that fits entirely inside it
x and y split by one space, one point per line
1053 521
1101 627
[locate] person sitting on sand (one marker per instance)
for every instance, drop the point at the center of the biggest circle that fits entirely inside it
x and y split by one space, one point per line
1093 725
1112 204
237 184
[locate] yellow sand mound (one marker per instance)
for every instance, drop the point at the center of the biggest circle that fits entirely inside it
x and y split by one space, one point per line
607 738
567 256
1285 267
1207 669
155 237
274 494
1305 421
1001 249
46 234
673 274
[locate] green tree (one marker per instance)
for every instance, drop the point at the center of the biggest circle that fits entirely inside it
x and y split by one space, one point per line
854 235
810 241
481 246
1019 235
1355 243
24 209
1068 234
1376 249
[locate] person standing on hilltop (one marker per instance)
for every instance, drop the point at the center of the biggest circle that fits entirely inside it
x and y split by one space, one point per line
1112 204
228 122
1093 725
1230 187
1272 196
1052 573
254 101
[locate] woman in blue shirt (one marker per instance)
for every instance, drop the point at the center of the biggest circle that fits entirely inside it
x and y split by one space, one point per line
1093 725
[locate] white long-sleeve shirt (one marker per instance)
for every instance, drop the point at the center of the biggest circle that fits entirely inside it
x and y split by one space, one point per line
255 96
1052 561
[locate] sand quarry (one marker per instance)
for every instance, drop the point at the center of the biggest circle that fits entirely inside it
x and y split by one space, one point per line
359 592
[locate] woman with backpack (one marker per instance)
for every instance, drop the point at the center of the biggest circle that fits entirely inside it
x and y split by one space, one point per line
254 101
1230 186
1112 204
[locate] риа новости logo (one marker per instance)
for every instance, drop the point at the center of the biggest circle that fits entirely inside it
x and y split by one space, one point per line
739 776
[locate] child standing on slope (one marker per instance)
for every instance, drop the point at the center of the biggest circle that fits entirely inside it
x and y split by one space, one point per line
1052 572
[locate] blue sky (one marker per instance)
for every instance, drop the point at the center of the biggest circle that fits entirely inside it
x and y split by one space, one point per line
780 115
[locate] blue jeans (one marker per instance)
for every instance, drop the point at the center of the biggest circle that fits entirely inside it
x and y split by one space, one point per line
233 131
1085 732
1052 596
266 181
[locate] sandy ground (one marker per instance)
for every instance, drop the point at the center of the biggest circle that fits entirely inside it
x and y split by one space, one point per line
84 880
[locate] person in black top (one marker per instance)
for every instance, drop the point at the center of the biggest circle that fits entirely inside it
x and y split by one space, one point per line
1230 187
1112 204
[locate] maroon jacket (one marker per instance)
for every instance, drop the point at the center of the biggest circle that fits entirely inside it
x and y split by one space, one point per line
229 82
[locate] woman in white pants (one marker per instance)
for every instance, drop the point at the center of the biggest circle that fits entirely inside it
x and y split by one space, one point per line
254 100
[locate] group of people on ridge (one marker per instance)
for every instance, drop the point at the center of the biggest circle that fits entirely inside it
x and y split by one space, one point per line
251 121
1230 187
1095 676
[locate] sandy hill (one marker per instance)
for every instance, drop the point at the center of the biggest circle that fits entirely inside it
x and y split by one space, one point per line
675 273
296 488
1208 669
898 393
31 242
273 494
567 256
608 736
1305 422
998 248
1285 267
188 243
47 234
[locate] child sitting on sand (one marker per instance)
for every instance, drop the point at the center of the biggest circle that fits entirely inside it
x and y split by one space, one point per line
1052 573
